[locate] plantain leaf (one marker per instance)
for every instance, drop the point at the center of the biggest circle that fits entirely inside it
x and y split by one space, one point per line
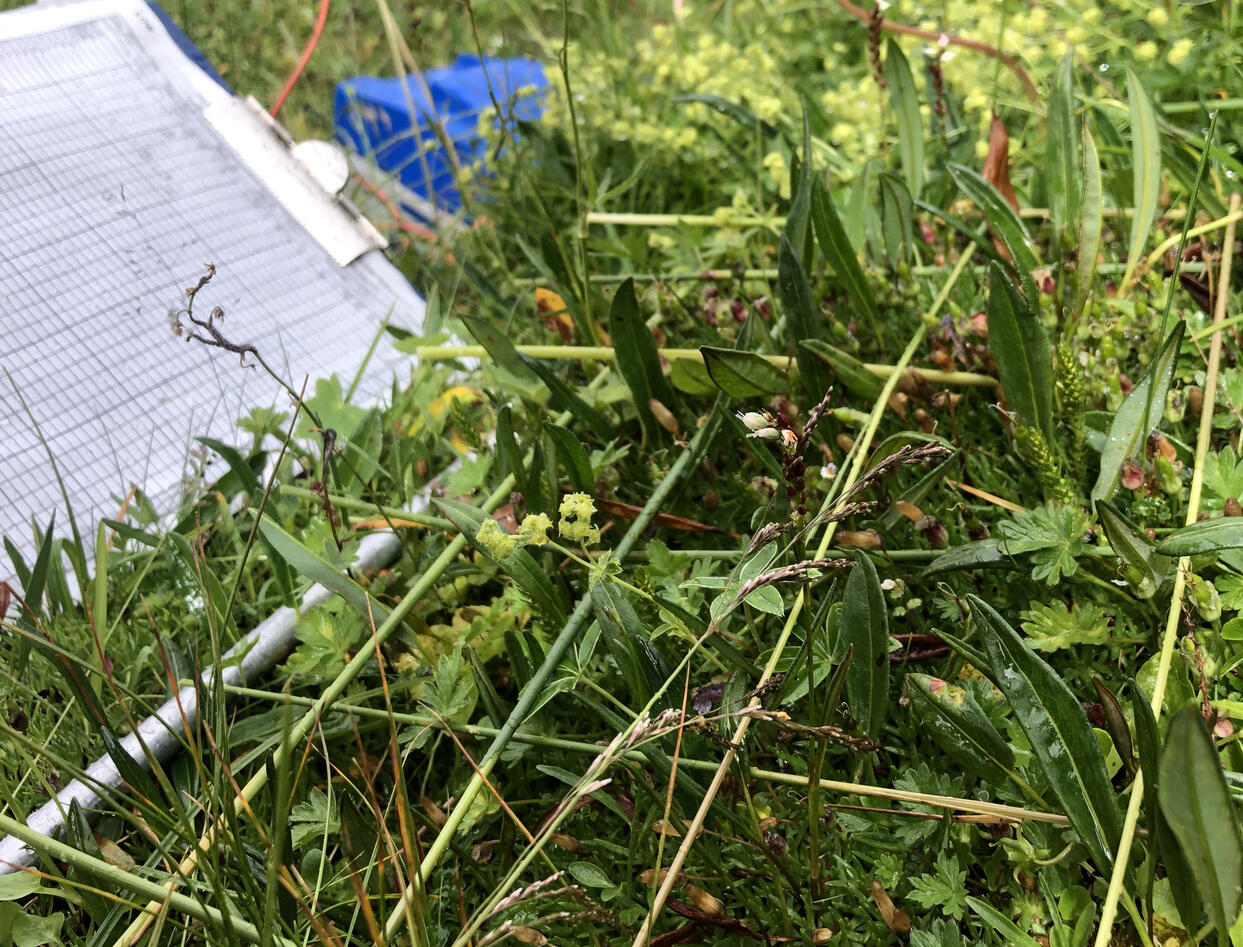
520 565
960 725
743 374
573 457
1000 216
1203 537
507 451
1090 223
1057 729
1141 406
897 219
637 358
865 629
803 320
1135 550
1196 803
1021 349
1146 170
840 254
320 570
497 345
851 372
982 554
905 101
1062 167
247 479
1011 934
1165 848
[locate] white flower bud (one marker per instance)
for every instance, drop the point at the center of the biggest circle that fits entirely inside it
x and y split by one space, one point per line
754 420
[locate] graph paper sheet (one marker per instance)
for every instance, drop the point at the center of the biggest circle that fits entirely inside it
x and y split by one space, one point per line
115 190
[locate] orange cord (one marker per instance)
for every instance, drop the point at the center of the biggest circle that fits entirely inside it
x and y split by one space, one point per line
305 58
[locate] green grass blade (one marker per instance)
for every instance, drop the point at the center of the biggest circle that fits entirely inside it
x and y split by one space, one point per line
1127 432
1020 346
1058 730
1196 803
865 626
905 102
1146 170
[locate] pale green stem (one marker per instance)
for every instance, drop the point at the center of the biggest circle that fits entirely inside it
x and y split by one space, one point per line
111 874
533 691
603 353
878 411
1118 879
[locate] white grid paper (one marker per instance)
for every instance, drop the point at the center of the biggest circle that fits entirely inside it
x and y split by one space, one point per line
114 191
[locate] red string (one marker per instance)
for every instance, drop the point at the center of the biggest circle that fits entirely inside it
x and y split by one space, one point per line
306 57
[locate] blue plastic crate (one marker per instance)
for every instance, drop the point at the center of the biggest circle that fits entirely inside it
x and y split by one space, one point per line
373 116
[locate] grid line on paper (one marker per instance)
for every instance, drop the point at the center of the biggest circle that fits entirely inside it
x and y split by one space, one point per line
116 193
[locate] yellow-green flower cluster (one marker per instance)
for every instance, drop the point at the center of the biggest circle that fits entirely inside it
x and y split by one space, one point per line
576 511
532 531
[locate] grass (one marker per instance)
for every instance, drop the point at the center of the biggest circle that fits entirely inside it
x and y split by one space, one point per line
815 552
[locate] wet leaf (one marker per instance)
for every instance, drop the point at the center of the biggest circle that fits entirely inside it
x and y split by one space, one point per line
1090 224
865 628
1140 410
1204 537
1135 550
1059 732
1146 170
840 254
961 727
803 320
1021 349
1062 166
1196 803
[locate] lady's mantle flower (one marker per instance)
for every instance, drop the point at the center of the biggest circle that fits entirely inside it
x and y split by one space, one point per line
533 531
576 512
496 542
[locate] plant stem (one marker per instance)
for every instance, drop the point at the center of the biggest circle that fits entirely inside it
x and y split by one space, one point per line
1118 879
862 446
534 688
111 874
603 353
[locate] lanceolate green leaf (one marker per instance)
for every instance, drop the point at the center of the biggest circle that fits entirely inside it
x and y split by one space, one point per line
1135 550
839 253
562 398
865 627
897 218
982 554
320 570
1021 349
905 103
1057 729
1146 151
1062 152
1196 803
573 457
1090 222
637 359
642 666
743 374
800 206
1205 536
1000 216
802 316
1143 404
